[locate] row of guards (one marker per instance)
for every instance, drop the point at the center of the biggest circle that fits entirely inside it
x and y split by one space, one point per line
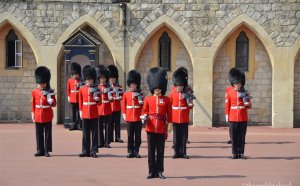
98 102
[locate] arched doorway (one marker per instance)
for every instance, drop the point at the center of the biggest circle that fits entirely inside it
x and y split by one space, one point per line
101 53
17 66
258 77
150 57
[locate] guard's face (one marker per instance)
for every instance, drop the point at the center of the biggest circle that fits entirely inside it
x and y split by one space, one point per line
42 86
133 86
157 92
89 82
112 80
102 80
237 86
179 88
76 76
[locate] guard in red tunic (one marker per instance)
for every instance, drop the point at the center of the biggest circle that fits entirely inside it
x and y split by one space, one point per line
73 86
104 107
227 90
131 110
237 102
115 96
89 113
157 113
180 113
189 96
42 101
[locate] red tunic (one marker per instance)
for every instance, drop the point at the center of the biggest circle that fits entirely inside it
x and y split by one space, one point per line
73 90
159 110
87 104
104 107
180 108
40 107
131 107
116 104
234 106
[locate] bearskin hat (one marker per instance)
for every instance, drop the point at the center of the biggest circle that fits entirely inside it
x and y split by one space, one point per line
236 76
113 72
102 71
180 77
133 77
75 68
42 75
157 79
89 72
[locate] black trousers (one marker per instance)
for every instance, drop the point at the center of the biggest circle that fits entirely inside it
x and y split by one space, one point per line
104 130
115 125
238 134
187 133
156 150
76 121
89 126
134 130
180 137
43 142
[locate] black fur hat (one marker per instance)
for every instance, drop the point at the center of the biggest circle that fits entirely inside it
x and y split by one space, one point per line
89 72
180 77
42 75
102 71
113 72
236 76
75 68
157 78
134 77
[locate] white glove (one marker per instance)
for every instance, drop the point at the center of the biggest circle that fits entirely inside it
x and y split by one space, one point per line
80 114
50 101
32 117
96 98
226 118
68 98
143 117
124 117
118 98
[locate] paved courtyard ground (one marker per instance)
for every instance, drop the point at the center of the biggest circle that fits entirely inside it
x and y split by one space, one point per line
273 159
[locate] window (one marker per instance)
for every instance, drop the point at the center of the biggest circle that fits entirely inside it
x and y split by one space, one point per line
165 51
13 50
242 52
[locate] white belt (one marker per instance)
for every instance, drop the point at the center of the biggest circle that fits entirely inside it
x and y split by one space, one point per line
73 91
132 107
238 107
179 108
89 103
105 101
42 106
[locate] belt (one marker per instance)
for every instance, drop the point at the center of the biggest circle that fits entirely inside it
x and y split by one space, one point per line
42 106
89 103
237 107
73 91
132 107
105 101
158 117
179 108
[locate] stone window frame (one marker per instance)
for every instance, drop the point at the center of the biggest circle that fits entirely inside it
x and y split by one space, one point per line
243 40
17 45
165 40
